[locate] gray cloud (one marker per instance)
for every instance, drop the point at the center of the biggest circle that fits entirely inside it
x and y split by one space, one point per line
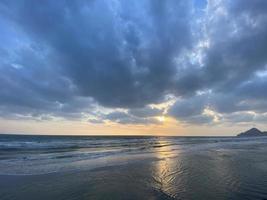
63 58
106 48
236 35
145 112
126 118
184 108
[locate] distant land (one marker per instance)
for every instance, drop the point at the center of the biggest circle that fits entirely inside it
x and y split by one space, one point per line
252 132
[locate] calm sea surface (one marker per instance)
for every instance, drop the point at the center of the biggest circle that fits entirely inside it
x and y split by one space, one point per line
133 167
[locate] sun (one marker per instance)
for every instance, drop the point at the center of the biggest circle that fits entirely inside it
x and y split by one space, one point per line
161 118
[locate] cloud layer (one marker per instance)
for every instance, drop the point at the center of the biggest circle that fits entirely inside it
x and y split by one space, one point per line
114 60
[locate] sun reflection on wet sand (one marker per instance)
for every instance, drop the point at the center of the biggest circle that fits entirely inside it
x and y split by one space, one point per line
166 170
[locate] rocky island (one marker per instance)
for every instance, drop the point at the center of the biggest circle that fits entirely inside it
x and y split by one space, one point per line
254 132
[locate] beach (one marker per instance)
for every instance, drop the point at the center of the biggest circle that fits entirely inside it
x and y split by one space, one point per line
133 168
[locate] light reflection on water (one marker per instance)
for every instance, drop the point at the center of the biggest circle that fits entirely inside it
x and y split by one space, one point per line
231 172
166 172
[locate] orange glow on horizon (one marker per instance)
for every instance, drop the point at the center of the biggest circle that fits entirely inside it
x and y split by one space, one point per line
167 126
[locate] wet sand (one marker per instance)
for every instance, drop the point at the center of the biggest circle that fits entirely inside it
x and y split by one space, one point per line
120 182
196 175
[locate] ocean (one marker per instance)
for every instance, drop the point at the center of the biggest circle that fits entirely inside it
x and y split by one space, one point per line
132 167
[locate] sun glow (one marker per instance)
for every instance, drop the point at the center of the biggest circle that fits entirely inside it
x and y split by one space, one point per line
161 118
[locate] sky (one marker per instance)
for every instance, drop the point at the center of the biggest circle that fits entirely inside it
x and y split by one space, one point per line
150 67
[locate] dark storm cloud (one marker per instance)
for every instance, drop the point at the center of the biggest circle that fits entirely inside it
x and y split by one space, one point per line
236 34
32 88
62 58
119 53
